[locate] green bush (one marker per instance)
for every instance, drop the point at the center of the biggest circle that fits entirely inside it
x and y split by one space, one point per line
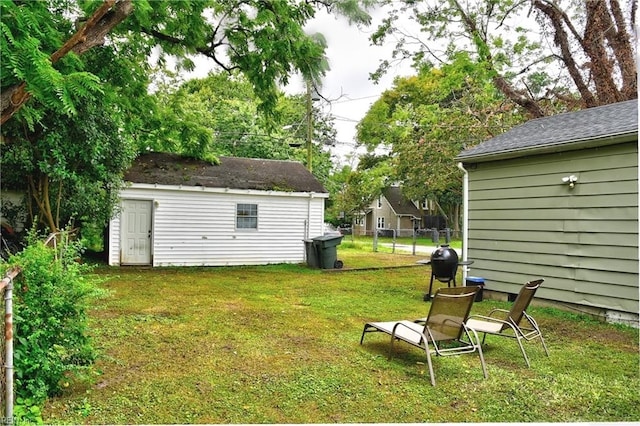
51 342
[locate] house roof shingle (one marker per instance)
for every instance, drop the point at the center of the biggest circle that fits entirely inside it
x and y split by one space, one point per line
599 123
401 206
232 172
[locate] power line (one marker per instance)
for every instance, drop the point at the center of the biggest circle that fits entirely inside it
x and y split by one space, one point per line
355 99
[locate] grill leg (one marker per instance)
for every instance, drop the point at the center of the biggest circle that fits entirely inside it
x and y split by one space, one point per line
427 297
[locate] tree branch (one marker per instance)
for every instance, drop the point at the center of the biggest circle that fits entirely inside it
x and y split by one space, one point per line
81 36
208 51
620 42
597 26
92 34
499 81
561 40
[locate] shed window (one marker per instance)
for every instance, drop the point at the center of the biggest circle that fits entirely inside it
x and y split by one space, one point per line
247 216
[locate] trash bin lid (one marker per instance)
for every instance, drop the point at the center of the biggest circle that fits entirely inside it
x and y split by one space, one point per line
327 237
476 279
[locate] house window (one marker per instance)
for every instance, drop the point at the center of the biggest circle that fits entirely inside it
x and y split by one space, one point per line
359 221
246 216
381 223
380 202
425 205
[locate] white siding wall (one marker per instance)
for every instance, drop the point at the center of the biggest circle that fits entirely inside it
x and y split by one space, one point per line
196 226
114 241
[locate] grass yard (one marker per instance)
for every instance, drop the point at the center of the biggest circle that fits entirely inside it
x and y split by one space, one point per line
280 344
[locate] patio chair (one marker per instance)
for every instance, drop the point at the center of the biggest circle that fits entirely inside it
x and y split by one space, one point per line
515 323
444 332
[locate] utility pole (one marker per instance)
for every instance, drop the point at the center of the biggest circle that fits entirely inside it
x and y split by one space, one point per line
309 128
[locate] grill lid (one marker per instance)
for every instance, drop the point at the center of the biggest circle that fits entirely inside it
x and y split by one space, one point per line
444 262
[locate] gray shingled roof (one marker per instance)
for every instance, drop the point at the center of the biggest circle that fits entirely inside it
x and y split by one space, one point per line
232 172
604 123
401 206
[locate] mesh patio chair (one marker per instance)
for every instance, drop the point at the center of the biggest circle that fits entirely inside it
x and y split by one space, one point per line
515 323
444 331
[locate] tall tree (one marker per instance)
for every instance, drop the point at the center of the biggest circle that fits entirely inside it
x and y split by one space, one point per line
264 39
218 115
65 57
71 166
355 190
426 120
579 52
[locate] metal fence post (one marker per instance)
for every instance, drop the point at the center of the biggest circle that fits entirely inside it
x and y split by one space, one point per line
8 333
7 285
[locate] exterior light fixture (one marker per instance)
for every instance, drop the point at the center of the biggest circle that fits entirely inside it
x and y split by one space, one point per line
571 180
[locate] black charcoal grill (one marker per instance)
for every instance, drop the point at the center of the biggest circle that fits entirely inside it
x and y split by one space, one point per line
444 266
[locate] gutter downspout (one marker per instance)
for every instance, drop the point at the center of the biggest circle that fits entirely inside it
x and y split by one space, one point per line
465 220
307 231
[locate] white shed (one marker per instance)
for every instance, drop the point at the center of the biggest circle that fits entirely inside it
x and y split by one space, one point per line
177 211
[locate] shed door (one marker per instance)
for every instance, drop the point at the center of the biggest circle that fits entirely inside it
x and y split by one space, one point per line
135 246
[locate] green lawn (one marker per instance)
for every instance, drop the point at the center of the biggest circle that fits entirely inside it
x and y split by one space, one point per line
367 242
280 344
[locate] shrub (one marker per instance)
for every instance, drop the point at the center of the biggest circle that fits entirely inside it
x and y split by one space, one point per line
51 343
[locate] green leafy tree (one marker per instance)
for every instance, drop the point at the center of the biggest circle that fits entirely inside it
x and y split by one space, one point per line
427 119
580 53
264 39
357 189
222 111
90 57
36 63
71 166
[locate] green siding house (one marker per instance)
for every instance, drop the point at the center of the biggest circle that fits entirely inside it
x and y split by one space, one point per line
557 198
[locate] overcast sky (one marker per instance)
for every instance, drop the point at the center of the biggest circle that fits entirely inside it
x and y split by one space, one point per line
351 58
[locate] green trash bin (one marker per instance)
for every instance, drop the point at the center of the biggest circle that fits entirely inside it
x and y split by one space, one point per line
326 247
313 260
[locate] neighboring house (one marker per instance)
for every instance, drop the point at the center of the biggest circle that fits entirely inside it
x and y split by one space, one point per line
557 198
12 202
186 212
391 212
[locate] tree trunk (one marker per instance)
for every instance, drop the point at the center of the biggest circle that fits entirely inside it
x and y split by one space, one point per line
620 42
456 219
561 39
607 45
92 34
40 194
598 24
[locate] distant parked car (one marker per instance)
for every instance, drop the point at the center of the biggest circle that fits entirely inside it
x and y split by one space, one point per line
345 230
